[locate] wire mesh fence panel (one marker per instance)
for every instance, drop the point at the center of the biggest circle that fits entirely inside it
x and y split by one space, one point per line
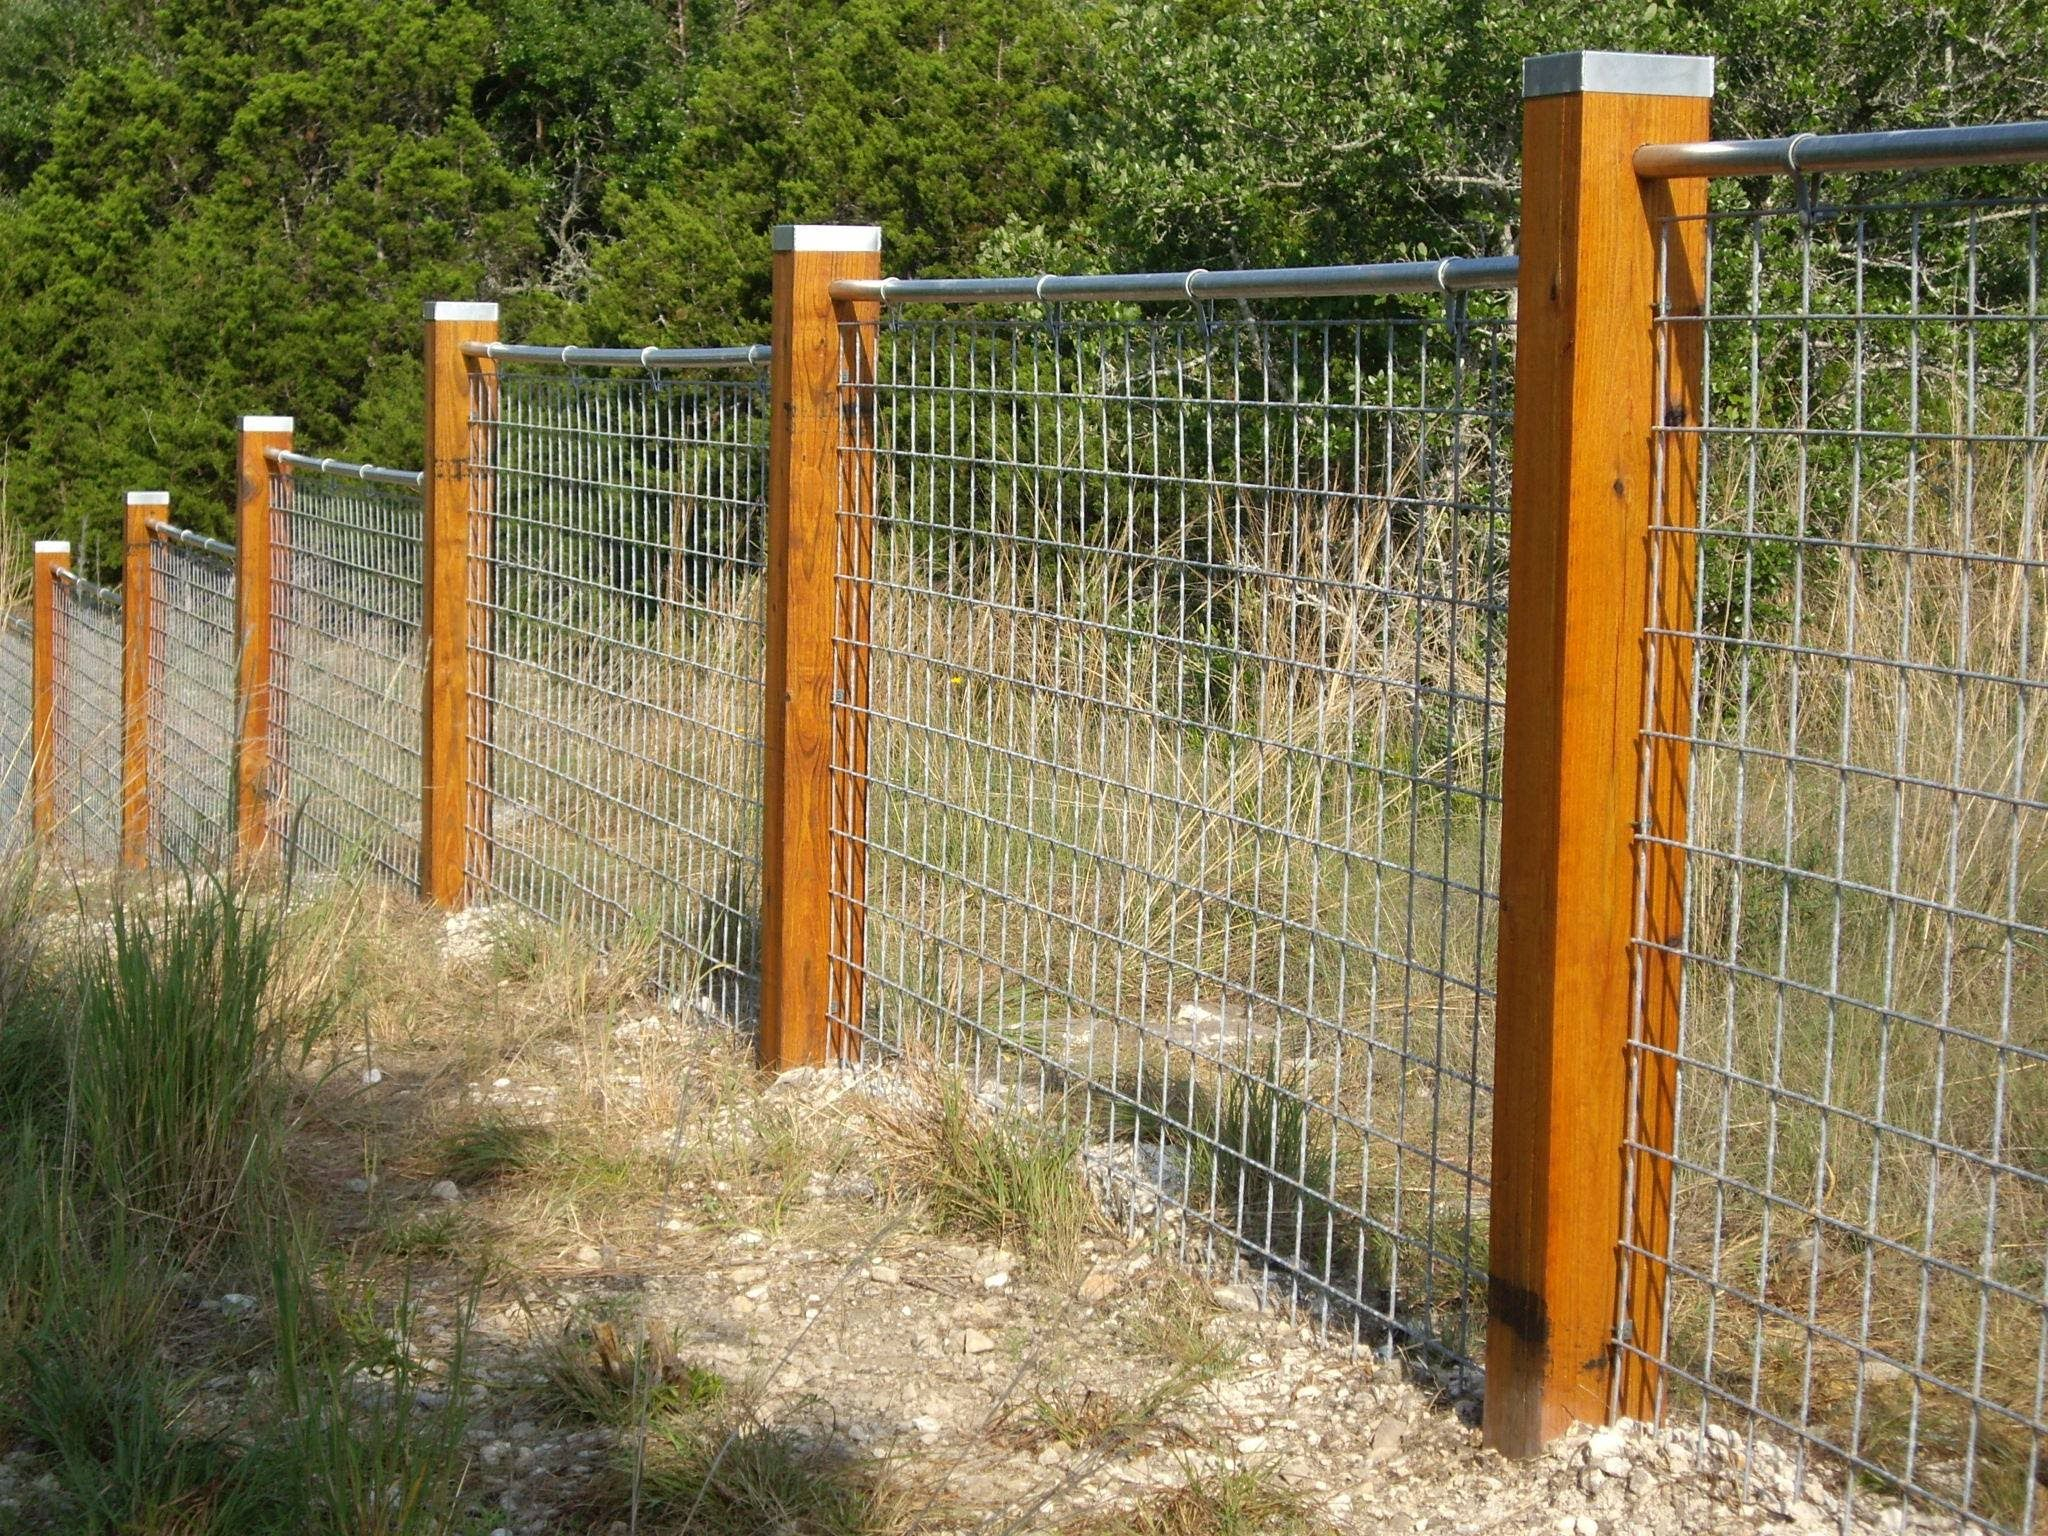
16 712
1856 703
191 709
619 644
86 720
347 674
1180 741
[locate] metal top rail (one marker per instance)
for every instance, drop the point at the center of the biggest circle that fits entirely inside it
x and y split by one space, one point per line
1453 274
193 540
622 357
414 479
106 597
1804 153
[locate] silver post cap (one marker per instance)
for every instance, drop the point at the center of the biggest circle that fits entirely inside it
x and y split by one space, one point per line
445 309
266 423
827 237
149 498
1618 74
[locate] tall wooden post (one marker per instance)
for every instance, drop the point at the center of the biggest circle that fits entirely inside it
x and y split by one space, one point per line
1590 394
255 794
804 470
51 556
448 819
138 655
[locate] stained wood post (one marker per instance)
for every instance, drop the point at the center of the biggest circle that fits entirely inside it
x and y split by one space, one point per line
51 556
1589 395
798 914
138 655
449 746
255 791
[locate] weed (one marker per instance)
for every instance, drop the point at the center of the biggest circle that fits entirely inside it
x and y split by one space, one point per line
597 1376
493 1148
1002 1180
738 1477
1173 1326
1248 1501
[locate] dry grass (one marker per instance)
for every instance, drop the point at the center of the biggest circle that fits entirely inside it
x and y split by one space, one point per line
1243 1502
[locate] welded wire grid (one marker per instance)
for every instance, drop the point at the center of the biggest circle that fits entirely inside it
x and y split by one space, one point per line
1181 727
346 671
1858 1171
16 709
86 719
617 625
191 702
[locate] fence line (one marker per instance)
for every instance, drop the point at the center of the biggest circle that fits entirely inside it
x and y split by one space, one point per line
1608 960
191 694
1182 718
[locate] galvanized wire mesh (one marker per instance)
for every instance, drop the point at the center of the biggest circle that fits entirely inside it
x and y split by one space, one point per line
86 728
16 720
1858 1173
191 705
346 673
617 626
1180 745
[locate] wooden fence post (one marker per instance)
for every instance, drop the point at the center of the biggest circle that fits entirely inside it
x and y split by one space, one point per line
51 556
138 635
452 529
255 793
1587 385
797 858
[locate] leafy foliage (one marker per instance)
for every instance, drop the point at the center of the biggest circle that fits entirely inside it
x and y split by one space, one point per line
216 206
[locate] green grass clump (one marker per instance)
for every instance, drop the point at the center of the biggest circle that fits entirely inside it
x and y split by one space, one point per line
1248 1501
733 1476
999 1179
145 1085
597 1376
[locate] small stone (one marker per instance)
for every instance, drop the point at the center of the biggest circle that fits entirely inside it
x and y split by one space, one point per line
885 1274
975 1342
1604 1446
235 1304
996 1281
372 1076
588 1255
445 1190
1251 1445
925 1424
1615 1466
1387 1436
501 1082
749 1239
1099 1285
748 1274
1586 1525
1236 1298
356 1187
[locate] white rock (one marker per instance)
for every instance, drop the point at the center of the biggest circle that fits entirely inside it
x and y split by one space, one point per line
445 1189
975 1342
996 1281
885 1274
373 1076
1237 1298
748 1274
1604 1446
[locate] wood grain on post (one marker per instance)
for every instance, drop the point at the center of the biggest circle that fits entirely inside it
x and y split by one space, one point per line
807 772
1588 403
51 556
138 656
255 803
449 741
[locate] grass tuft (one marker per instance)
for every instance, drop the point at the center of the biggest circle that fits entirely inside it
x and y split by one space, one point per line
596 1376
1246 1501
1000 1179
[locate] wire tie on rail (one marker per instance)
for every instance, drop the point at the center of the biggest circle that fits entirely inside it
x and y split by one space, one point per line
645 354
565 355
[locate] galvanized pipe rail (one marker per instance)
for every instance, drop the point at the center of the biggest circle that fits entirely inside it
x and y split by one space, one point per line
621 357
104 597
1802 154
411 479
191 540
1453 274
